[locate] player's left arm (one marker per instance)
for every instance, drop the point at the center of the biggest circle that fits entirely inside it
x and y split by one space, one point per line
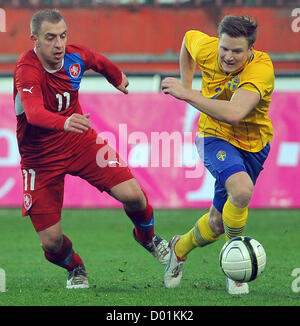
241 104
101 64
123 85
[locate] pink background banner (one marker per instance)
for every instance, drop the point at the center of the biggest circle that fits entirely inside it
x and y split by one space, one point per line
154 134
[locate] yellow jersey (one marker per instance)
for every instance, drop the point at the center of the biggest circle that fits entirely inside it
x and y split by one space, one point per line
257 75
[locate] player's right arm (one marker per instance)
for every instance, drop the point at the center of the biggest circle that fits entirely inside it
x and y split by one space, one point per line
187 67
28 86
77 123
231 112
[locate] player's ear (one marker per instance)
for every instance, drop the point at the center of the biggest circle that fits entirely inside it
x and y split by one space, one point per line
250 51
34 40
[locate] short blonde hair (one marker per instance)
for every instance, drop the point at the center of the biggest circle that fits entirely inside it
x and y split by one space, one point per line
50 15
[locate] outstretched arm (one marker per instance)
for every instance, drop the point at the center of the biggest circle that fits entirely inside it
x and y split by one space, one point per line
232 112
99 63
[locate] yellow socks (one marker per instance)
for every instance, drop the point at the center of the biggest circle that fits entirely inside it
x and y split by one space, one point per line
234 220
199 236
185 244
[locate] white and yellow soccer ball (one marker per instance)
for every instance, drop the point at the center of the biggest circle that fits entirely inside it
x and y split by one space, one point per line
243 259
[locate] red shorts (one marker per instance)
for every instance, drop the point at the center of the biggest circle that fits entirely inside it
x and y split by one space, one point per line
93 161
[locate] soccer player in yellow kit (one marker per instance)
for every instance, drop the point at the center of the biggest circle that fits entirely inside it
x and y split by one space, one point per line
234 129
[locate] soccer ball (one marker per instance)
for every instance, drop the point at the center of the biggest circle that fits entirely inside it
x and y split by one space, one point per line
242 259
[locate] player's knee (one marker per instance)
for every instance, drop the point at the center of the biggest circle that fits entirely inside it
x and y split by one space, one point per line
240 188
130 195
51 243
135 199
241 196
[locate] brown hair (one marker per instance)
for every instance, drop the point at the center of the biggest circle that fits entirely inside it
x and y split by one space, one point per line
237 26
50 15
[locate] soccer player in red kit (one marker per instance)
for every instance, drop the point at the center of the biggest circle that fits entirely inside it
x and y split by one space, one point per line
55 138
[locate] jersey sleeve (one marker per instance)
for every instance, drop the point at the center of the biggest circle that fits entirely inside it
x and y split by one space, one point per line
250 87
259 77
28 86
99 63
198 44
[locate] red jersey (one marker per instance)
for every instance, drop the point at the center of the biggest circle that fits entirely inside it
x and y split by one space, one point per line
45 99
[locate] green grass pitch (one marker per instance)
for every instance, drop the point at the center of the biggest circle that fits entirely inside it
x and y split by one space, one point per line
122 273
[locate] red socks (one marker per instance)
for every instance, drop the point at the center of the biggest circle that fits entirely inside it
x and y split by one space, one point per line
66 257
143 223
